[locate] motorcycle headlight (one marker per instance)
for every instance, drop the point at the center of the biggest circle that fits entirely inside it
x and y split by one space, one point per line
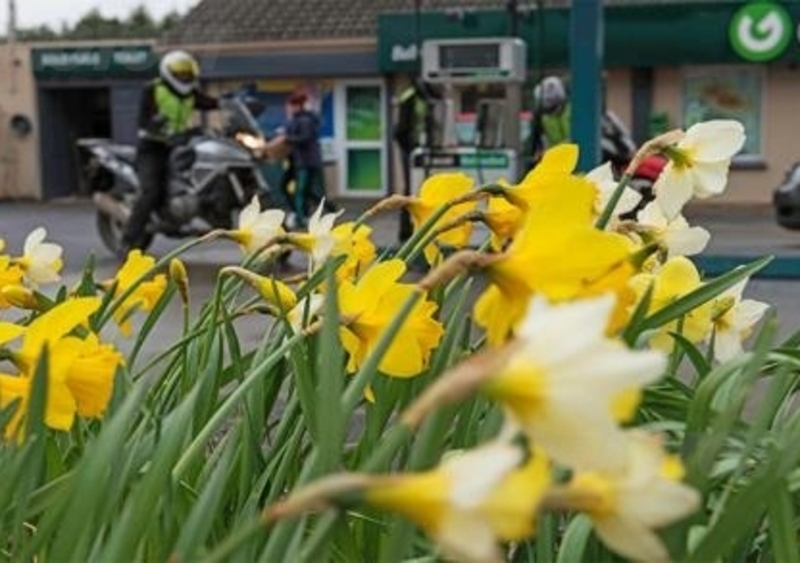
253 142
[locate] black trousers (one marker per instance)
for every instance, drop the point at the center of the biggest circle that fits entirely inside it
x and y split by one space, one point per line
152 167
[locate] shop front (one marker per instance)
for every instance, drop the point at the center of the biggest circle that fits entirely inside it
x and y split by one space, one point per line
666 65
85 92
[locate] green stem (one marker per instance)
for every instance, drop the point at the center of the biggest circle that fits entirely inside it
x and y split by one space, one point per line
608 211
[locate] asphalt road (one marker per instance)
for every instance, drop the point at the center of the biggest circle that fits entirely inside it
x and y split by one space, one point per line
72 224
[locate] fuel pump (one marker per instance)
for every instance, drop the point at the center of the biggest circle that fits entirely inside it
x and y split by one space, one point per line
493 152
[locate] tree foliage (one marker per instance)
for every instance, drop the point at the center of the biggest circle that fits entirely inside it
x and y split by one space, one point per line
140 24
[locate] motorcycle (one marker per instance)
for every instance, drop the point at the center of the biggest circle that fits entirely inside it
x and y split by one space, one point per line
212 175
786 200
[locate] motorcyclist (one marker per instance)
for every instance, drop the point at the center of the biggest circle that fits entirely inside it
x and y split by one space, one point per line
552 125
165 112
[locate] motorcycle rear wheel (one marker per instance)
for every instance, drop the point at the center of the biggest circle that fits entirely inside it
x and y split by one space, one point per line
111 231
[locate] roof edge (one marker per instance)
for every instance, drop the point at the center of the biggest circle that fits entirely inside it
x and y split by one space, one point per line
294 45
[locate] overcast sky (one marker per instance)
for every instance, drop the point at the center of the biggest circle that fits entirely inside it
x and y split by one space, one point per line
31 13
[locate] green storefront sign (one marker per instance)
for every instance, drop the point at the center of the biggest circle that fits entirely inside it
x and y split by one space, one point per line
638 35
94 62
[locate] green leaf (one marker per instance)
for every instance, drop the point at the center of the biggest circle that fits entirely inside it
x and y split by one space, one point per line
576 539
782 528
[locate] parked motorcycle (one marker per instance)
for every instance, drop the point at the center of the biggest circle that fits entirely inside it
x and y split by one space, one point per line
212 175
786 200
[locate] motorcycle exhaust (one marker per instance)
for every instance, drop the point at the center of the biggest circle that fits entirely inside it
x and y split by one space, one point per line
111 206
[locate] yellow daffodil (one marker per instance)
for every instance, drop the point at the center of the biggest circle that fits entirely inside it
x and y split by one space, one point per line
504 220
553 172
559 254
356 246
59 405
472 501
603 179
368 307
568 385
41 261
257 227
10 275
273 291
137 269
698 164
435 192
87 367
733 319
627 506
674 235
47 330
676 278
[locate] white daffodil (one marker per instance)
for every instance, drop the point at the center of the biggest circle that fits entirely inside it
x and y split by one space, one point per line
320 239
569 385
257 227
41 261
472 501
603 178
626 507
305 310
674 235
698 164
733 319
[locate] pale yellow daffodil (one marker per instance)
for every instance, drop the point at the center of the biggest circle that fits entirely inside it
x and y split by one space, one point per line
257 227
368 307
273 291
627 506
569 386
41 261
605 182
734 319
472 501
437 191
675 236
698 164
320 239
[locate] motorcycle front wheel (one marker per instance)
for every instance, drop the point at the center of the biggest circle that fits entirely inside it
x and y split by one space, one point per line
111 230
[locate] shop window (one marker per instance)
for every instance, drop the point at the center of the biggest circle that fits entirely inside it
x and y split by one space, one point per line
727 93
360 108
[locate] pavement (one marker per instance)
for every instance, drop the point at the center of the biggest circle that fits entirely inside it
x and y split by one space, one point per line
739 234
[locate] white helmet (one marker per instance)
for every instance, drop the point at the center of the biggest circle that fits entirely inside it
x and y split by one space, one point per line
180 70
550 93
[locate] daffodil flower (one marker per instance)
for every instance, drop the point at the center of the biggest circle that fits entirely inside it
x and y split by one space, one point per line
320 240
356 246
41 261
698 164
257 227
733 319
627 506
148 290
558 254
504 220
273 291
472 501
554 171
368 307
435 192
674 235
676 278
568 386
11 275
603 179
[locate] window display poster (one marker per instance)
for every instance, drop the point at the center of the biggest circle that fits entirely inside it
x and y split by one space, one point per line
726 94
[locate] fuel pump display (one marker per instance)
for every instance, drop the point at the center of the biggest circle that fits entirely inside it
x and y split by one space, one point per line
491 152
